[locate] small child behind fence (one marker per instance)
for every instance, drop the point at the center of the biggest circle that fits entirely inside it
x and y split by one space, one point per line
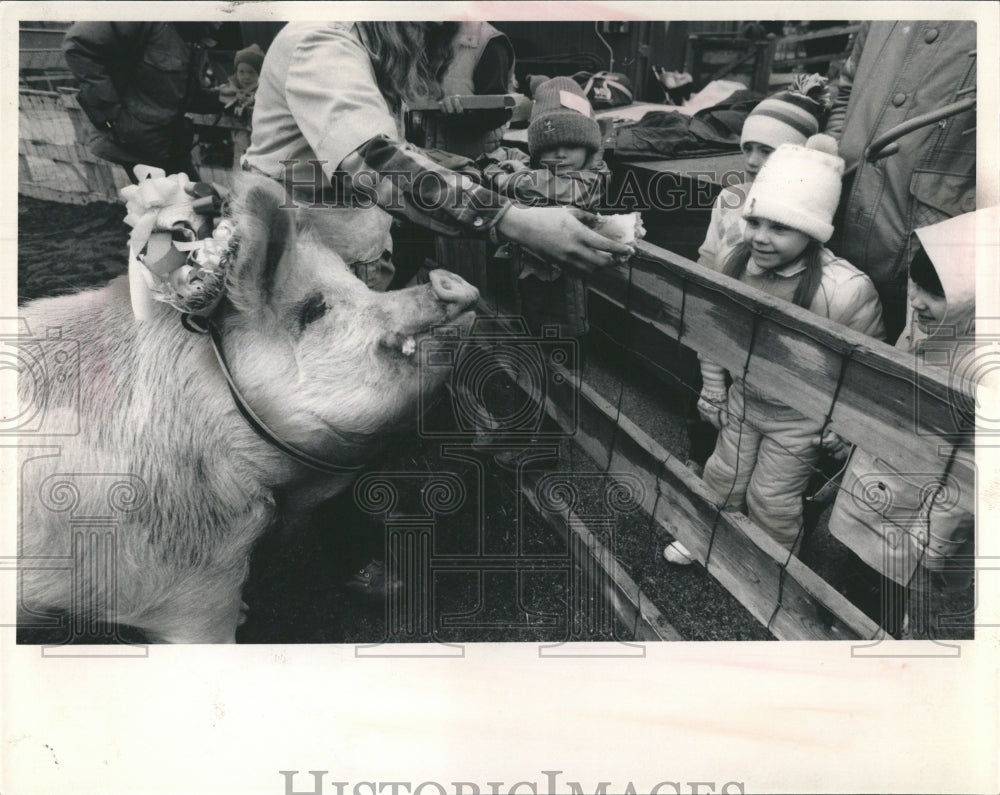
565 167
906 533
789 116
767 450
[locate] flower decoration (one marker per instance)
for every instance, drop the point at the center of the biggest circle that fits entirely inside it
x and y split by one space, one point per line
179 247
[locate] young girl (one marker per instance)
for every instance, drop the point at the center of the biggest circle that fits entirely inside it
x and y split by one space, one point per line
762 465
789 116
906 533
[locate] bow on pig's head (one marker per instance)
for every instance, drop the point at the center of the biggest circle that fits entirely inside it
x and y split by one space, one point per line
328 363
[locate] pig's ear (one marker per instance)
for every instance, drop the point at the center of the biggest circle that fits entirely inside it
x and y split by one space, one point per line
265 230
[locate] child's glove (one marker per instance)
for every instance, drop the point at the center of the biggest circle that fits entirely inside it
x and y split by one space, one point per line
834 445
228 94
713 406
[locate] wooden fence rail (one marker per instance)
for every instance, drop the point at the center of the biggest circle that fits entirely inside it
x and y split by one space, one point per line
875 395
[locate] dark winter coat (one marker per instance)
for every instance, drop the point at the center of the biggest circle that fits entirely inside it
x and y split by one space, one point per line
137 79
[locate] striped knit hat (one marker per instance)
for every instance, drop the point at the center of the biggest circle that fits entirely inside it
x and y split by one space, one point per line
790 116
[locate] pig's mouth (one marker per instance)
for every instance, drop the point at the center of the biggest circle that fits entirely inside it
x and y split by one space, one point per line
406 344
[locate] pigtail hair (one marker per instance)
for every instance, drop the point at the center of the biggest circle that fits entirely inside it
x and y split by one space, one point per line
809 283
735 264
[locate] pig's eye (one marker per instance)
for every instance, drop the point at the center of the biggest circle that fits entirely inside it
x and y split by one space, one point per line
312 309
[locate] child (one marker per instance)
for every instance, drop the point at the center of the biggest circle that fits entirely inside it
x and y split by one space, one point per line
564 167
787 117
902 528
764 463
238 95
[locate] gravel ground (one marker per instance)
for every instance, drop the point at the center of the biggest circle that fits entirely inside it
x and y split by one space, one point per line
298 589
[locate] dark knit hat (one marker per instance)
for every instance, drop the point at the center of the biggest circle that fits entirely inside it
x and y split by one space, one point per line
562 116
252 55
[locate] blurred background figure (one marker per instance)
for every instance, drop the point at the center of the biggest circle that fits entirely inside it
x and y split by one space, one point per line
137 80
238 93
482 62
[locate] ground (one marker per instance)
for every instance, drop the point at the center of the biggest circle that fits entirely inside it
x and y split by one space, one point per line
298 589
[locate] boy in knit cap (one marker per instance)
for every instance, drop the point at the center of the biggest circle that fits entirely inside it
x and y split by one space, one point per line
238 94
565 167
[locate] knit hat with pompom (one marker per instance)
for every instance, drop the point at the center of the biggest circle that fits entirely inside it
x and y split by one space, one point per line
799 186
789 116
561 116
252 55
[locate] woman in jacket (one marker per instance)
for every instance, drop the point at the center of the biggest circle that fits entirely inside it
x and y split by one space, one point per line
327 124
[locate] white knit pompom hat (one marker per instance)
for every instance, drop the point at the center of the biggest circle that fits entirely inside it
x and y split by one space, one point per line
799 186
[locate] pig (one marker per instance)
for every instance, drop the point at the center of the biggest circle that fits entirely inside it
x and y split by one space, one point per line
329 365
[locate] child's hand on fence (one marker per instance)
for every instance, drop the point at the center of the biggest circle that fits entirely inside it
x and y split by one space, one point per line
713 406
834 445
451 105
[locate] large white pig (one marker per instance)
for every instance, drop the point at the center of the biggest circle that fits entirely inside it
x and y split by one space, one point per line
326 363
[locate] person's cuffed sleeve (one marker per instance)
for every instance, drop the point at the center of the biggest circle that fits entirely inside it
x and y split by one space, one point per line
406 183
713 377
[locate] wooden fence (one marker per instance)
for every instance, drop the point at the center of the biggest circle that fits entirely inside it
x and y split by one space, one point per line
54 162
872 394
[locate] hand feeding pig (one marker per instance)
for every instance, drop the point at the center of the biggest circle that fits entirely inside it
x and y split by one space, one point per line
159 461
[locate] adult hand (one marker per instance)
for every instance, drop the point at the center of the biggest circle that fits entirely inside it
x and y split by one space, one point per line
559 234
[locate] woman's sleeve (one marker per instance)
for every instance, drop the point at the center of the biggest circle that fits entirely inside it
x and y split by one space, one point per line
403 181
332 93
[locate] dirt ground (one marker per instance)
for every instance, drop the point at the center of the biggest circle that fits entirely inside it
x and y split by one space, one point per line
298 589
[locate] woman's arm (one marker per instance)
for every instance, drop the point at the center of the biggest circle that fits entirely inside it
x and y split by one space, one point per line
403 181
331 93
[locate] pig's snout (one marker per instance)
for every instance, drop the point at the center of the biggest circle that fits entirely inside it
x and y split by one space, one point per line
453 290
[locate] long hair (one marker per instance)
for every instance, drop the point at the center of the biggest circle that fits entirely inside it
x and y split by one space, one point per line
408 57
736 265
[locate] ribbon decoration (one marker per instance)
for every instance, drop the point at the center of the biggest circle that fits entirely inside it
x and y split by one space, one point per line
176 255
